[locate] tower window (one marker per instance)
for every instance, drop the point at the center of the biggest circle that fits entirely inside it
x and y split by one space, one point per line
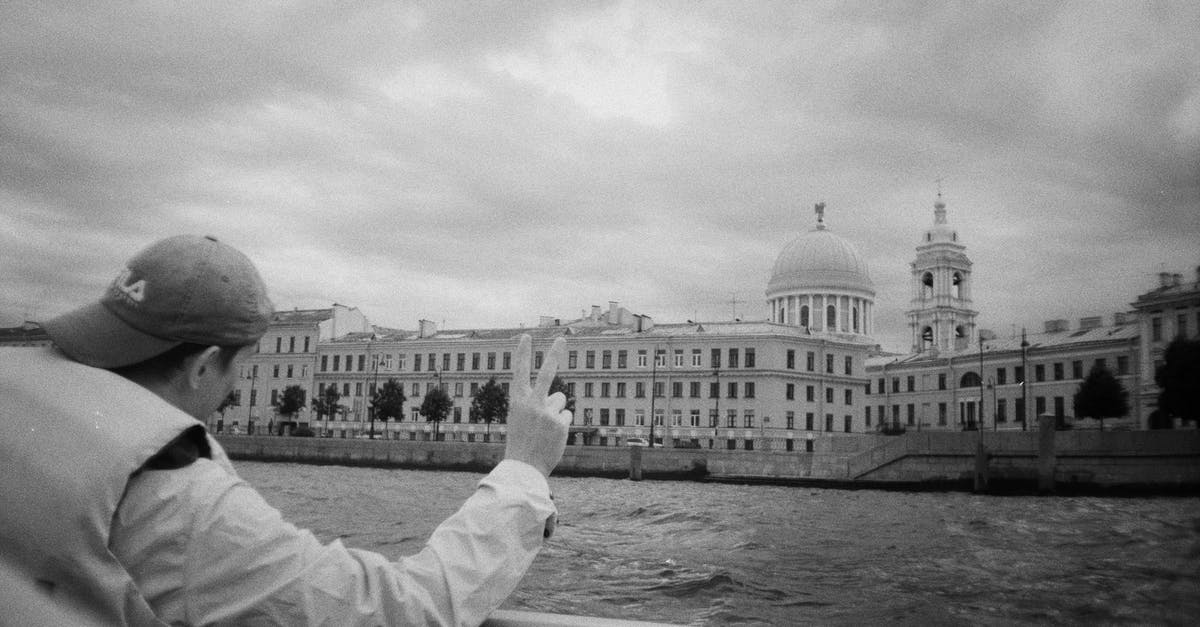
957 285
959 332
927 285
927 338
854 316
830 317
804 316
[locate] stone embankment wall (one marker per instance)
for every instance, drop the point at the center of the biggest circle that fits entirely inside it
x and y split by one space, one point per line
1142 461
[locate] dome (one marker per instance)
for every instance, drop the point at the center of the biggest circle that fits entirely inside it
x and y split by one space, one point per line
820 260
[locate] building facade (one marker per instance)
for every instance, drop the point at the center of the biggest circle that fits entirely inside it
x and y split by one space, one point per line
1170 310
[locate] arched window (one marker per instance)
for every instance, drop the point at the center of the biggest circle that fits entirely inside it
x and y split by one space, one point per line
956 286
804 316
969 380
960 332
830 318
927 285
783 315
927 338
854 319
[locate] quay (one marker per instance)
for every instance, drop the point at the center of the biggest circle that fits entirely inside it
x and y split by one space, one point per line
1043 461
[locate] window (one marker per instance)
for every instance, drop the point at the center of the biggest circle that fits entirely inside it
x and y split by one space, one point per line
660 357
804 316
572 360
676 417
716 358
639 389
941 380
605 387
358 388
942 414
810 393
791 359
619 415
417 362
590 360
446 362
810 361
275 371
790 393
791 420
750 358
460 362
658 416
1039 373
895 385
697 358
606 360
1002 410
829 364
1122 365
587 389
622 359
337 360
830 317
507 359
289 371
1156 329
362 363
849 396
733 358
849 364
475 361
1019 374
537 359
678 358
694 389
278 345
911 383
639 417
324 363
641 358
1001 376
847 423
604 416
660 389
1039 405
748 389
491 361
694 417
714 389
306 338
829 423
911 414
1058 371
1059 407
620 389
808 421
828 395
732 390
748 419
458 389
416 390
731 418
677 389
1077 369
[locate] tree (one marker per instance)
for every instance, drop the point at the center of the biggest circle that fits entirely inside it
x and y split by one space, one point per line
490 404
326 404
1179 380
388 402
1101 396
291 401
557 385
436 407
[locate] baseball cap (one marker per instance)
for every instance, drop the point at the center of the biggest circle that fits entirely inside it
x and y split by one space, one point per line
186 288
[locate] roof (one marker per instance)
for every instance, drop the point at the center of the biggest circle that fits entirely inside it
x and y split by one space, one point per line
1053 340
820 259
28 332
301 316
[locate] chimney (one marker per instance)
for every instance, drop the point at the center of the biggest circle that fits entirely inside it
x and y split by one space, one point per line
595 313
428 328
1091 322
614 313
1056 326
644 323
546 321
1164 279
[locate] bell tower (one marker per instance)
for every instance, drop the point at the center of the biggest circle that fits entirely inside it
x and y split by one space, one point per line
941 318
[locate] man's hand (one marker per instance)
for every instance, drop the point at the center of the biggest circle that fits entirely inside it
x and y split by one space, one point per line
537 423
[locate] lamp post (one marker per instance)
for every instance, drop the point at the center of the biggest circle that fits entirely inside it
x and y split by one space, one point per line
1024 378
250 405
716 421
653 392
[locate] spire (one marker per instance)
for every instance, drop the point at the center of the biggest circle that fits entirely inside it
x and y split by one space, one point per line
819 208
939 210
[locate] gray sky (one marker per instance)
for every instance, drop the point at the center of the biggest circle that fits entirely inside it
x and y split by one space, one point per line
485 166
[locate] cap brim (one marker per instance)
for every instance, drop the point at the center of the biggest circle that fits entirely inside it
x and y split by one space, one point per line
93 335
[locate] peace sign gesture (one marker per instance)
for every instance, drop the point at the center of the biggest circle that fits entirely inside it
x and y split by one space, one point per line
537 423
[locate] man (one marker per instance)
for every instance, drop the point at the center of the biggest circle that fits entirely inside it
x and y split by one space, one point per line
117 508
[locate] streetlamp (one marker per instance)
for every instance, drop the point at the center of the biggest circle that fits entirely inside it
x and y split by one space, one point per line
653 392
1024 378
250 405
716 420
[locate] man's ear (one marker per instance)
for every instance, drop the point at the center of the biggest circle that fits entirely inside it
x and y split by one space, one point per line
203 364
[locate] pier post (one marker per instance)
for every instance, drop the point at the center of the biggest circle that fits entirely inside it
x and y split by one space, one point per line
635 463
1046 456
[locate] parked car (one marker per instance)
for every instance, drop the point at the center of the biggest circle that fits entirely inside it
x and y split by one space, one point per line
641 442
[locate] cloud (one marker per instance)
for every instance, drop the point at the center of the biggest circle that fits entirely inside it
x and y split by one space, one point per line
489 164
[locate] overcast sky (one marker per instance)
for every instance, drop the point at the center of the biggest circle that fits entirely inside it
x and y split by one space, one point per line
482 165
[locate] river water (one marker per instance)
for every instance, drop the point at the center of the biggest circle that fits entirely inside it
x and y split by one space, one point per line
718 554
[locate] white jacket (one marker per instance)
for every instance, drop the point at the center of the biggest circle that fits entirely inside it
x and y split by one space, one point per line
196 545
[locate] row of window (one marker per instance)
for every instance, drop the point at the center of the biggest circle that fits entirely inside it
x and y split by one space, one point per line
1181 326
605 359
968 411
291 344
971 379
616 417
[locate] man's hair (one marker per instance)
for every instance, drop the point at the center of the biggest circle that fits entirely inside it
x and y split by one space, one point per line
163 363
